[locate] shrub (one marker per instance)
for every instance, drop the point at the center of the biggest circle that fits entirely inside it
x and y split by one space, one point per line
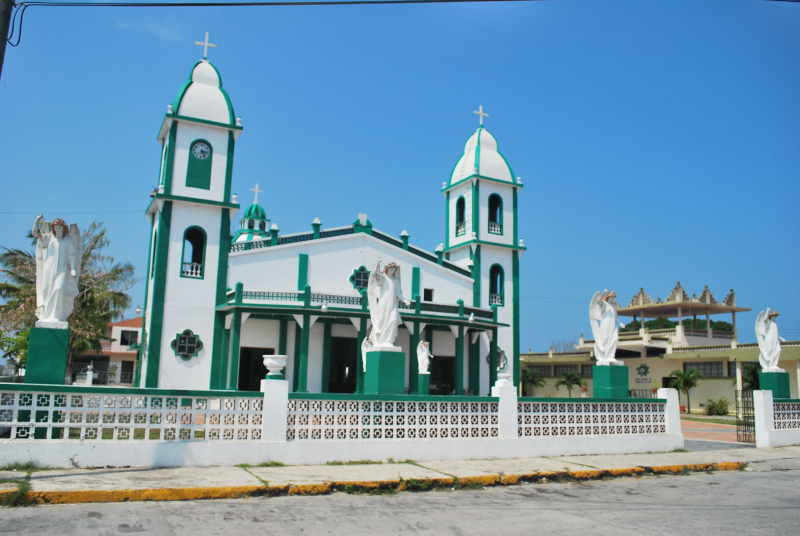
717 407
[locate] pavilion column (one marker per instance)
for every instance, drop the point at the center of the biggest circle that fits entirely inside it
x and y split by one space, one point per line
710 332
679 329
413 364
460 361
233 356
326 356
493 360
362 334
302 373
733 321
738 375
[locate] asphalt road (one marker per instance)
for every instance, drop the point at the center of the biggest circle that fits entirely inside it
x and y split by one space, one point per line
705 504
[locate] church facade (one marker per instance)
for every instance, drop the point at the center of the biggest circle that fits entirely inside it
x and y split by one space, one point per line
216 303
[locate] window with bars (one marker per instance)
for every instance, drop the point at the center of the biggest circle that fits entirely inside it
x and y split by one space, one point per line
544 370
561 369
186 344
360 278
586 371
709 369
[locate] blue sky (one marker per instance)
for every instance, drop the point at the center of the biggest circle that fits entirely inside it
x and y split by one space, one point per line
657 141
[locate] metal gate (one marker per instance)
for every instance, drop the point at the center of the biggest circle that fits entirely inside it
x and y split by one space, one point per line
745 417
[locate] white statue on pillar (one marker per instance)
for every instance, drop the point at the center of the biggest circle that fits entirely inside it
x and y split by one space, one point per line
768 341
58 266
424 357
384 296
605 327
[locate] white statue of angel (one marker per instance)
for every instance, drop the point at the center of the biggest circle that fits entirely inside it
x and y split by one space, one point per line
424 357
384 295
58 267
605 326
768 341
366 346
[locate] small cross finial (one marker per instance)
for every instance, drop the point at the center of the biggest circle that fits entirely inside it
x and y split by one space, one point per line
480 113
257 191
205 44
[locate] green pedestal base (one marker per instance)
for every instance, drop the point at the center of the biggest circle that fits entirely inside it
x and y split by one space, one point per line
424 384
385 373
777 382
47 356
610 381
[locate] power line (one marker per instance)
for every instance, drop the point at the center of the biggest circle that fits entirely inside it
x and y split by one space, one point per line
70 213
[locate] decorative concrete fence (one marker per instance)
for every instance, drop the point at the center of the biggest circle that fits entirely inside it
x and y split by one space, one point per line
777 422
68 426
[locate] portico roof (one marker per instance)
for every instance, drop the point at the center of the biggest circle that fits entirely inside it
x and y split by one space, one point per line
678 303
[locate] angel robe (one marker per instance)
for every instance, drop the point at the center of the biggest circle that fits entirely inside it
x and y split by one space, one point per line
56 288
603 316
423 357
768 343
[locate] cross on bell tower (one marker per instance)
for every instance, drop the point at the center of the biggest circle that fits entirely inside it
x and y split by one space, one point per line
479 112
257 191
205 44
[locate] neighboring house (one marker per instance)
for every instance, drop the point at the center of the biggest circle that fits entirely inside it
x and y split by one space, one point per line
651 354
114 363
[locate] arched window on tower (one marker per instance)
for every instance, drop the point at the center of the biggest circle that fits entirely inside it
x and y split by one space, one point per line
496 285
461 216
194 253
251 224
495 214
262 226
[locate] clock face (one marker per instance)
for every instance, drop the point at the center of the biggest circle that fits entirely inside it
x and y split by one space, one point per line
201 150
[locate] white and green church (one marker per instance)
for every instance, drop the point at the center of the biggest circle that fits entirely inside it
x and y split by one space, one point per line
218 300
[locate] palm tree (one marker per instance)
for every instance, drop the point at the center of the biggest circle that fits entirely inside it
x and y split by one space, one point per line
684 381
102 296
533 378
750 381
569 380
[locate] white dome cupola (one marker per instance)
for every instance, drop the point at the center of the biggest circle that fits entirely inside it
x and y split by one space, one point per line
202 96
481 158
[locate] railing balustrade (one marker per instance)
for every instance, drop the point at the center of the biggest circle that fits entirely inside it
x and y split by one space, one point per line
192 269
495 228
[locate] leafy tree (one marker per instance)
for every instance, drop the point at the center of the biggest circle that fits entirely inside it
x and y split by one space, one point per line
569 380
683 381
533 378
716 325
102 297
563 345
750 377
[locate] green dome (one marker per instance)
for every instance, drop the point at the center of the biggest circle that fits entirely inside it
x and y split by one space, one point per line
255 212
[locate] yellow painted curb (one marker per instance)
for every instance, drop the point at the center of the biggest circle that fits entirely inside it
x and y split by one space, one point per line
122 495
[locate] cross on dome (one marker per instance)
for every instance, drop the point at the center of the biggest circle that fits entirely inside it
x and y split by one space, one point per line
257 191
480 113
205 44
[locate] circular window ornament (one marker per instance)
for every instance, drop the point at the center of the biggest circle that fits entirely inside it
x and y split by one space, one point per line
201 150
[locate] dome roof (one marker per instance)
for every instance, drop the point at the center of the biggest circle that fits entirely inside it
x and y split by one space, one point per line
482 157
202 96
255 212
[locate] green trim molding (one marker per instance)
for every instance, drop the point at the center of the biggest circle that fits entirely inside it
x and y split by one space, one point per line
153 355
484 243
302 271
183 253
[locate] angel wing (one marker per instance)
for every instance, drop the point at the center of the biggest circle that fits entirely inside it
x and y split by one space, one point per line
77 244
595 312
761 329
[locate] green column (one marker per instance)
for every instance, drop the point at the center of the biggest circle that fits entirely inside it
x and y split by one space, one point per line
493 360
413 365
233 357
460 361
515 321
155 334
282 333
474 365
326 356
362 334
302 373
298 331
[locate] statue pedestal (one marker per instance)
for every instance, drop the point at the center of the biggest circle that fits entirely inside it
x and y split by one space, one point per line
47 356
386 371
610 381
777 382
424 384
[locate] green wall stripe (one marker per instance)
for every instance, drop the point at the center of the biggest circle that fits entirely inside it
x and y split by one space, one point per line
447 221
476 209
362 334
173 134
459 387
516 233
159 290
229 169
284 328
515 321
218 365
302 271
233 357
476 282
415 276
143 343
474 365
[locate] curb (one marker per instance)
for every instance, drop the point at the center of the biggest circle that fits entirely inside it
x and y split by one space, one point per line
413 485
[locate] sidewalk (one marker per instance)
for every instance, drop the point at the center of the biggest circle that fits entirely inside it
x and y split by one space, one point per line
112 485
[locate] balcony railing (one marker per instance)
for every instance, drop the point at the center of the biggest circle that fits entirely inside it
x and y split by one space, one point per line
495 299
461 228
192 269
495 228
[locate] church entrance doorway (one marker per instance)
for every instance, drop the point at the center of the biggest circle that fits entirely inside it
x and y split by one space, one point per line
344 355
251 368
443 375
